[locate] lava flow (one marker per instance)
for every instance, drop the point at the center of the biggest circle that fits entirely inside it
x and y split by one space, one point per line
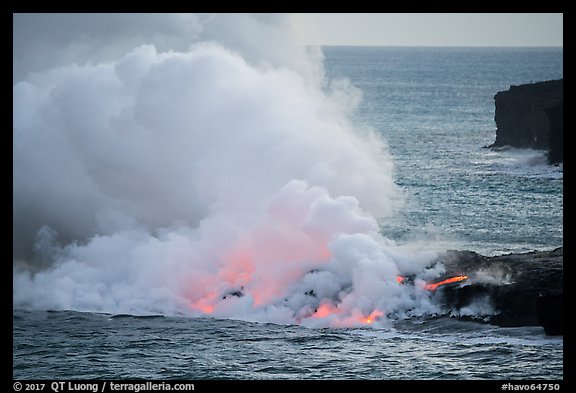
434 286
372 317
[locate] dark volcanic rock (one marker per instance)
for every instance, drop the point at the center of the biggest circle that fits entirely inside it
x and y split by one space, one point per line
524 289
550 310
555 141
530 116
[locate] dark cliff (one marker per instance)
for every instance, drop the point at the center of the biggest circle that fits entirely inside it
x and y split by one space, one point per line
555 140
530 116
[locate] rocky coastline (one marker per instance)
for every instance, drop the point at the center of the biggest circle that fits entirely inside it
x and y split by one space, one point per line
530 116
525 289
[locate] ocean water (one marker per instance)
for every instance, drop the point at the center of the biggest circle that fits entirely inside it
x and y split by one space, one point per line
72 345
435 108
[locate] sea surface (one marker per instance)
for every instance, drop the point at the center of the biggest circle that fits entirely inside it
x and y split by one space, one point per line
435 108
72 345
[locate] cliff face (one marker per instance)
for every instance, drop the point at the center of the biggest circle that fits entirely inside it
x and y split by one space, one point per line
530 116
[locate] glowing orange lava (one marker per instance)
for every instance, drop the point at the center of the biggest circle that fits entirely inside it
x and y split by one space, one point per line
399 279
374 315
204 307
324 310
206 304
434 286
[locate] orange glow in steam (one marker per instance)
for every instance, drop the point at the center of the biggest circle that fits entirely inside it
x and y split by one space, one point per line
325 310
374 315
204 306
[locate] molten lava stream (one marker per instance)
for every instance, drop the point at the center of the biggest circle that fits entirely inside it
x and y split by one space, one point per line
434 286
374 315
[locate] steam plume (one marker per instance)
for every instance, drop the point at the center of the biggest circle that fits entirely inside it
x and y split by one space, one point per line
220 175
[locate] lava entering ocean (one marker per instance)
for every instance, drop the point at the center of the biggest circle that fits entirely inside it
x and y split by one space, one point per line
436 285
432 286
210 179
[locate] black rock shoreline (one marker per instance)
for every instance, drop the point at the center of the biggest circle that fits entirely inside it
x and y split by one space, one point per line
530 116
525 289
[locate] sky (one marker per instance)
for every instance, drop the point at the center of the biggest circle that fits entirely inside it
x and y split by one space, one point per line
42 41
417 29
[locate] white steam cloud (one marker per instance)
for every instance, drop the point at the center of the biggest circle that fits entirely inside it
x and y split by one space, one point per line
204 168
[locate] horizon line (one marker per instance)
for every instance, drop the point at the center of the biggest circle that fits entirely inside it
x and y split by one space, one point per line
441 46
